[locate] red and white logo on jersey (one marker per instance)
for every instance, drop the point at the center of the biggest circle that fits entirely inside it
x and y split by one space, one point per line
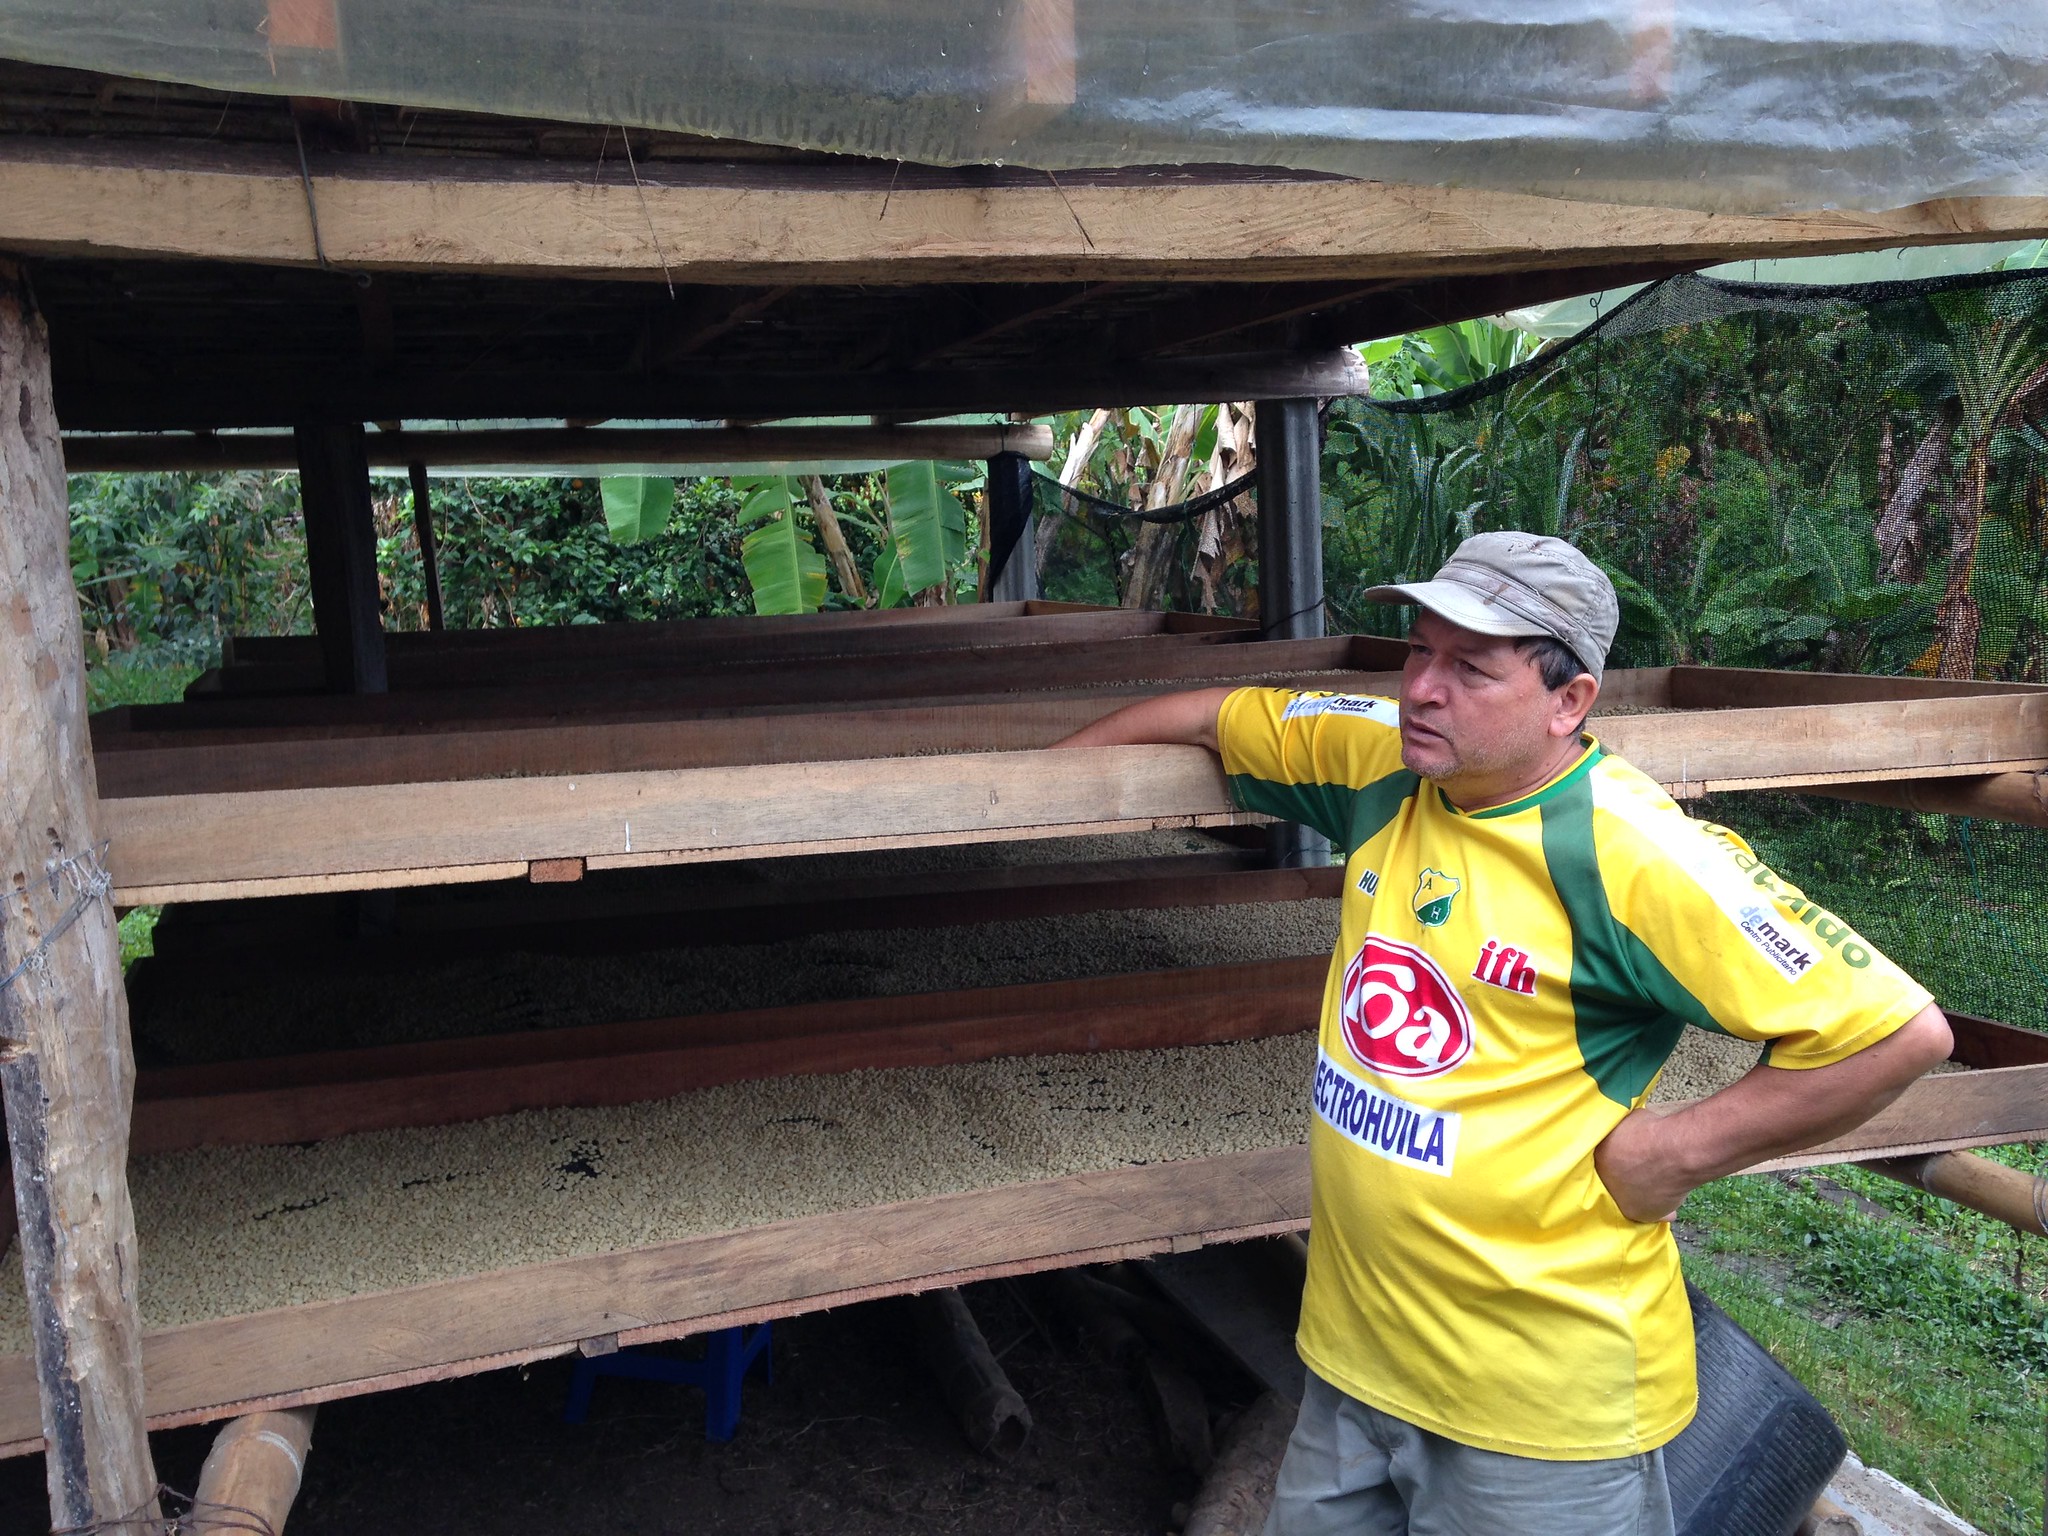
1400 1014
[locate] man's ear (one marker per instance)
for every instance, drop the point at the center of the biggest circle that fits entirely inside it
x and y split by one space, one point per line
1574 700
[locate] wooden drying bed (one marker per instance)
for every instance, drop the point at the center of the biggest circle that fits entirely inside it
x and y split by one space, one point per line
470 658
369 1342
315 804
298 933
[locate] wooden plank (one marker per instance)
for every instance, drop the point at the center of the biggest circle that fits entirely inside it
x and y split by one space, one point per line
623 746
1942 1112
1754 687
686 645
257 391
340 1348
1988 1043
647 685
1788 744
66 1071
311 885
1848 783
619 819
734 681
267 834
705 223
767 636
282 1100
565 447
265 935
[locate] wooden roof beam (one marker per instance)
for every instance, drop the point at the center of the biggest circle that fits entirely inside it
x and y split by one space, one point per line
566 447
259 392
822 224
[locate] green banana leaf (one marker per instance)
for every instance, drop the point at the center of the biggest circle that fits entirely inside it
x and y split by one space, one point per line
927 525
786 572
636 507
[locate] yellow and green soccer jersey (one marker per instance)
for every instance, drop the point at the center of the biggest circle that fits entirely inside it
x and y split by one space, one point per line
1506 986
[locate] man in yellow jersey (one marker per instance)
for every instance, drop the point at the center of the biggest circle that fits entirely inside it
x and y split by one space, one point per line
1496 1331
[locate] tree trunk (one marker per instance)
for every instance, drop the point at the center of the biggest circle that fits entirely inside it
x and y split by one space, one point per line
1155 541
835 540
1902 529
1078 455
1221 540
66 1069
1957 621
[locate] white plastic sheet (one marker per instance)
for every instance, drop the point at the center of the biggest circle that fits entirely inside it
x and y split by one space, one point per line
1728 104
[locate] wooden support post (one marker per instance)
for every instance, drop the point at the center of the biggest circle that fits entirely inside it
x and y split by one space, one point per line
254 1470
1290 469
341 553
992 1414
66 1070
1238 1491
423 529
1013 576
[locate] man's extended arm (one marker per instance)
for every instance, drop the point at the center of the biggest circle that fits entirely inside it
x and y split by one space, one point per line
1170 719
1655 1158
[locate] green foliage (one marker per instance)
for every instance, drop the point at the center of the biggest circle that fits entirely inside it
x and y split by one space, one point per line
539 551
138 935
171 563
637 507
927 524
1730 474
786 572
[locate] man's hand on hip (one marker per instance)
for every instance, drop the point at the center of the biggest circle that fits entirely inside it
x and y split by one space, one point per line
1654 1158
1637 1164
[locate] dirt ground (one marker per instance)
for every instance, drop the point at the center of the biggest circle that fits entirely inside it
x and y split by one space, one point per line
851 1438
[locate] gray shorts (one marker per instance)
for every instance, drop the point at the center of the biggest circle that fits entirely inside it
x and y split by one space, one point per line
1351 1470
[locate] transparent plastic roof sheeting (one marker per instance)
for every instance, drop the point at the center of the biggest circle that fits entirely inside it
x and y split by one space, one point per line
1731 104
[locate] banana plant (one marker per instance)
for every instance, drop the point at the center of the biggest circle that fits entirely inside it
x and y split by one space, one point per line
927 529
637 507
786 572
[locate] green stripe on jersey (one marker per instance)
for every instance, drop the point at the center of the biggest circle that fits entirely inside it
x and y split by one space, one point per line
1628 1007
1349 817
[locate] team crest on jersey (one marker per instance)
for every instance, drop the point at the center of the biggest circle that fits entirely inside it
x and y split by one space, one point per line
1400 1014
1434 893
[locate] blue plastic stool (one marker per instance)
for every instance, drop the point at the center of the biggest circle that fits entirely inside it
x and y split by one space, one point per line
728 1355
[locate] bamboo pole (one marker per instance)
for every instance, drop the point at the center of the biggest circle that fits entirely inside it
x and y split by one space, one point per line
2005 1194
254 1469
2016 797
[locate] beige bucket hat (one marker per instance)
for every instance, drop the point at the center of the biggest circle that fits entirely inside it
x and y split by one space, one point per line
1521 584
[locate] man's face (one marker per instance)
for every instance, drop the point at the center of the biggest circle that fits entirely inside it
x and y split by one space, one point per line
1474 711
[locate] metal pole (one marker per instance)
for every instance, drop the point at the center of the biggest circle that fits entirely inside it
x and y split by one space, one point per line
1012 531
1290 441
341 554
423 527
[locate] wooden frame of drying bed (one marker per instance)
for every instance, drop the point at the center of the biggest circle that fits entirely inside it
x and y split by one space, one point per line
369 812
365 1343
